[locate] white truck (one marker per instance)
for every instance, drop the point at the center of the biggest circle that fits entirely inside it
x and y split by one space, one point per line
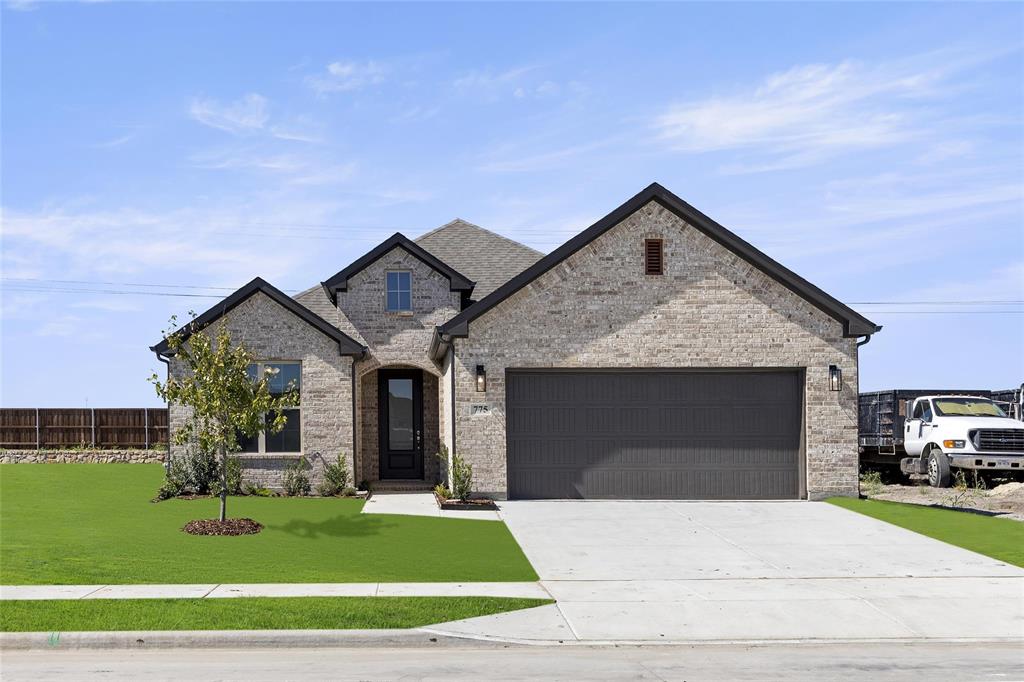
942 432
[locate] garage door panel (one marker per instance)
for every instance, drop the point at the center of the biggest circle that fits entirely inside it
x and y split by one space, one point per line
654 435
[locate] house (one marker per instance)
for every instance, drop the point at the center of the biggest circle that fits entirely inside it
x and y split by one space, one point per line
653 355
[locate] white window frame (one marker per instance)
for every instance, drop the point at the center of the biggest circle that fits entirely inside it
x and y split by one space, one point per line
398 291
262 436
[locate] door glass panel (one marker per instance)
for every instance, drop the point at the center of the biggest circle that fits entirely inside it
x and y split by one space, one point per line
400 414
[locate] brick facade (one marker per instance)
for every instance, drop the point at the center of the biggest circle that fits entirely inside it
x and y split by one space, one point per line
596 309
710 309
270 332
396 339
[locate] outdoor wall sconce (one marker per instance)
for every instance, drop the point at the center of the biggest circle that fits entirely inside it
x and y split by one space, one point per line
835 378
481 379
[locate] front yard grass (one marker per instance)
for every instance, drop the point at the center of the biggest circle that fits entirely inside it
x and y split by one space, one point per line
248 613
1001 539
86 524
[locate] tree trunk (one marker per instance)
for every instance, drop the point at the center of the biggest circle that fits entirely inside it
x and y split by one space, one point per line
223 482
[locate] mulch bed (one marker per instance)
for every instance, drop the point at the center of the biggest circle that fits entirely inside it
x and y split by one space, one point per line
473 504
226 527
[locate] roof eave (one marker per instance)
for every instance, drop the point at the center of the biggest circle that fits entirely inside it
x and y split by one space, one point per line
339 281
854 324
346 344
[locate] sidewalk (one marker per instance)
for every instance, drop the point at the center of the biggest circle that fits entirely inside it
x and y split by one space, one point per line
215 591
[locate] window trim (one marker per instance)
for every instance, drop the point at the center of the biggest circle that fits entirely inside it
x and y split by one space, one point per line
261 437
398 291
660 245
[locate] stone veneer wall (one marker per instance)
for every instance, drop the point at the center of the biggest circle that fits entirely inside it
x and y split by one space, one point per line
82 456
710 309
396 339
270 332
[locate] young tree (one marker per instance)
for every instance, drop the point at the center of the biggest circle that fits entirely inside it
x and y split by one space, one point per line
224 397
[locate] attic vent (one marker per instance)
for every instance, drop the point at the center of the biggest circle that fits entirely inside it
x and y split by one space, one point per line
654 257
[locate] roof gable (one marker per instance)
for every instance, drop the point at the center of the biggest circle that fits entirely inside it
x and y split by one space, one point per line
489 258
854 324
346 344
339 282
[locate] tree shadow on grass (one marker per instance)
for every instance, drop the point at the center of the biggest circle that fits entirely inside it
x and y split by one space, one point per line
341 526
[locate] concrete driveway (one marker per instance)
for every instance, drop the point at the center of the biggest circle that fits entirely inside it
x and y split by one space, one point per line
691 571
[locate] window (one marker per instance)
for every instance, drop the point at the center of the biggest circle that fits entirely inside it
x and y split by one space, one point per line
654 257
967 407
284 377
923 411
399 294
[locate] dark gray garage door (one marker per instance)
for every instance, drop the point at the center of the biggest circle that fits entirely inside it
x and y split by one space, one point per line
654 434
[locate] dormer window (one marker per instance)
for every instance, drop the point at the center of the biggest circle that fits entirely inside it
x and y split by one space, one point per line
399 291
654 257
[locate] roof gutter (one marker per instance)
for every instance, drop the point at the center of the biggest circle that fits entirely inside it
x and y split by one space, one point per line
867 337
439 345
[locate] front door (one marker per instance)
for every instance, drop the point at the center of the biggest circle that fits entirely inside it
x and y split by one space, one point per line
401 423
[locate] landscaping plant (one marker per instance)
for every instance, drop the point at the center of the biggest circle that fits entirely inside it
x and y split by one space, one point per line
335 478
460 473
296 480
224 399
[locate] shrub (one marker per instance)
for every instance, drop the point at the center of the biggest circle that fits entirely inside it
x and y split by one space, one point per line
349 492
441 490
175 480
256 490
203 474
197 472
335 478
460 473
296 480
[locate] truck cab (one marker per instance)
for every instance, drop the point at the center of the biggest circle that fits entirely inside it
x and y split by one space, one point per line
943 432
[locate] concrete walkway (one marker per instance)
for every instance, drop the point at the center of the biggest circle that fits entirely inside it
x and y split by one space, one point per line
212 591
420 504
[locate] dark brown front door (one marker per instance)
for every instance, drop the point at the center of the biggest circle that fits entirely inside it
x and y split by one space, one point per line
401 423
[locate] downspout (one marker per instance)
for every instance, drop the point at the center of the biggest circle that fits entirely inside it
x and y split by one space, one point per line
352 372
454 429
867 338
167 460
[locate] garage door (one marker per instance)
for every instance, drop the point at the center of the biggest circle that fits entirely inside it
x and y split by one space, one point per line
663 434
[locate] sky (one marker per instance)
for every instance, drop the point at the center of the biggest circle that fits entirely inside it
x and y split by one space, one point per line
156 156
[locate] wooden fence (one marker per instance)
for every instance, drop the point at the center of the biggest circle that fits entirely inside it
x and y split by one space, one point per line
105 428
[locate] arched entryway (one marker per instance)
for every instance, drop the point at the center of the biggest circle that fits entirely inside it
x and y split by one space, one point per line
399 427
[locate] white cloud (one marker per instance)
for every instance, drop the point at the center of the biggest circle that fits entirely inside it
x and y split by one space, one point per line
342 76
244 116
519 82
807 113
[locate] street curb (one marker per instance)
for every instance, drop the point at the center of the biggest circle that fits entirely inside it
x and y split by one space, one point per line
232 639
412 638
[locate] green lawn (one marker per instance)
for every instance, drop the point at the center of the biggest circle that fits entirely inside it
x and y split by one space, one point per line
255 613
1001 539
94 524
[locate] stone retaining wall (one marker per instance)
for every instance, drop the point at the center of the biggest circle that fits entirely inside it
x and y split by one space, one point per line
82 456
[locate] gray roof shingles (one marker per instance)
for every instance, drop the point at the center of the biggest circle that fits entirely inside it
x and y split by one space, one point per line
487 258
484 257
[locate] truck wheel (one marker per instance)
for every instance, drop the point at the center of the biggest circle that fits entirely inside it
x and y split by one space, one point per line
938 469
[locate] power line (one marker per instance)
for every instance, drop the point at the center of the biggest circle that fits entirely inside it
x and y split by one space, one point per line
118 284
41 281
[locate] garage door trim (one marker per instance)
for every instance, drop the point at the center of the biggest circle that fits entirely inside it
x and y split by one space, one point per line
800 373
